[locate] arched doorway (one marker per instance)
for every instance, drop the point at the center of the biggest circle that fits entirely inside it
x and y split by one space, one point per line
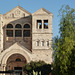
15 62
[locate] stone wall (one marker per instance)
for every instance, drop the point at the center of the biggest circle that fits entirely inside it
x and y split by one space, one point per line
41 34
0 32
17 16
44 55
9 41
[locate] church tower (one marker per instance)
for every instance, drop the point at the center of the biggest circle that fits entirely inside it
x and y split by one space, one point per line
42 34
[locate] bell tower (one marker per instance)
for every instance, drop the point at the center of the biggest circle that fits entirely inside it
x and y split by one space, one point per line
42 29
42 35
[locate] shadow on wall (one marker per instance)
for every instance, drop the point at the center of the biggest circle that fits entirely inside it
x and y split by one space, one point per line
20 31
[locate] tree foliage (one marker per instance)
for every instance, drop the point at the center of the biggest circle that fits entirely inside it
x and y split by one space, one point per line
64 46
39 66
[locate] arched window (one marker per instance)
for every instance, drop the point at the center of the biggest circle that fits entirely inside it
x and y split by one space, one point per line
18 33
18 26
9 26
18 59
26 26
42 43
37 43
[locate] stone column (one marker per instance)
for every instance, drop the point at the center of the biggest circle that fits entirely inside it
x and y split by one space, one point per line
4 68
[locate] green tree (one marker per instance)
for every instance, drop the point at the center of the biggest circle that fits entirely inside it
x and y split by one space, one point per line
64 45
38 67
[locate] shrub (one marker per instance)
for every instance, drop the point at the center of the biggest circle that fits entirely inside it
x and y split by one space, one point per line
37 67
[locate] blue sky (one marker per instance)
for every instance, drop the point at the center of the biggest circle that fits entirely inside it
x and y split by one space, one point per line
33 5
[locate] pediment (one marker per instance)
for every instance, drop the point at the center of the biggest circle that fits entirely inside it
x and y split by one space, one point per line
17 46
17 12
42 11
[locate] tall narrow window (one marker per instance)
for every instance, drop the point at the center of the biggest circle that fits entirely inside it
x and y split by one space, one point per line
45 24
37 43
47 43
42 43
18 33
39 24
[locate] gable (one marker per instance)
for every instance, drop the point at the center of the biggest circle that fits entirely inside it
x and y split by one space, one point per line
42 11
17 12
18 46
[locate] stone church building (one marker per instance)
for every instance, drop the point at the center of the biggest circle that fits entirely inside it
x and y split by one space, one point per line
25 37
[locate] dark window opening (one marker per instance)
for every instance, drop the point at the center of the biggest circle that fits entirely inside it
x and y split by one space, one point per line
26 33
18 26
39 24
9 33
18 70
26 26
18 33
45 24
42 43
9 26
18 59
47 43
37 43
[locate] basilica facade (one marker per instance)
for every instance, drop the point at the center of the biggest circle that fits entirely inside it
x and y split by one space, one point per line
25 37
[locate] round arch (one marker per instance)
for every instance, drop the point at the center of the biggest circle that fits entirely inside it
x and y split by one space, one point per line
8 54
15 61
9 26
18 26
26 23
26 26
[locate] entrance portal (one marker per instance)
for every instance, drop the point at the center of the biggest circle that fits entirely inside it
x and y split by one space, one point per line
15 62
